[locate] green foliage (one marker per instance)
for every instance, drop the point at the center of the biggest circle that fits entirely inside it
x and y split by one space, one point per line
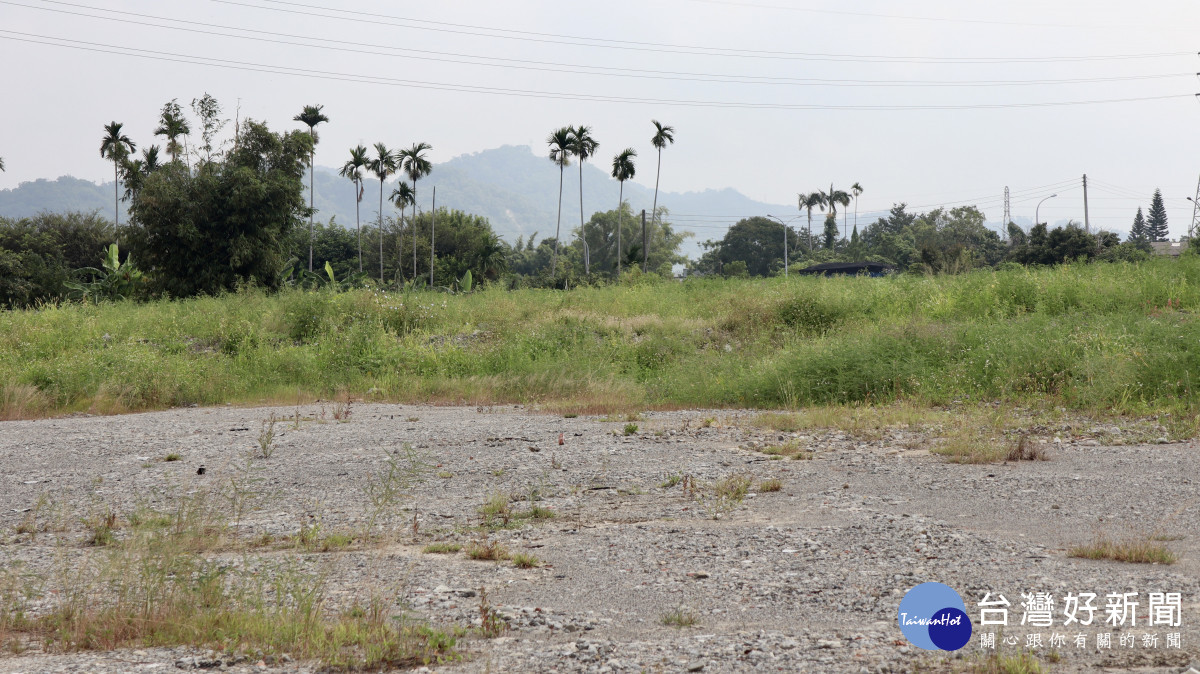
115 281
753 246
38 255
1138 231
226 222
1156 219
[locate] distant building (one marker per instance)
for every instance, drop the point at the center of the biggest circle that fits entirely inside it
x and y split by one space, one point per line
849 269
1170 248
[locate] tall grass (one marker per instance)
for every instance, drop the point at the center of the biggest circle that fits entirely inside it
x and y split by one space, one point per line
1113 337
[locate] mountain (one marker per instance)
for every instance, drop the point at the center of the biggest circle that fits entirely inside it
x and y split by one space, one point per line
63 194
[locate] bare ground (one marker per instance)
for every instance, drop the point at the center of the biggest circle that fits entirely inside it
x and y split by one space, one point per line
807 578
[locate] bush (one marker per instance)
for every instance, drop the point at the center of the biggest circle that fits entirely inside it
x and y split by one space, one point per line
39 255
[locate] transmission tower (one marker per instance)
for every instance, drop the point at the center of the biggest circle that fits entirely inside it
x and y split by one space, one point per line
1195 213
1007 215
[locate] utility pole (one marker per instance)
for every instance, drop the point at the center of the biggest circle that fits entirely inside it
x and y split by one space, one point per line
645 253
432 226
1087 225
1195 214
1007 215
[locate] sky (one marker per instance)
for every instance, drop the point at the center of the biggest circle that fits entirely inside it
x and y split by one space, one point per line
928 102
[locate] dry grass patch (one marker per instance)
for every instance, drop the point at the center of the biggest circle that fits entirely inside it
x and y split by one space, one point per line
487 550
792 449
522 560
679 618
441 548
971 446
1016 663
1025 449
770 485
1131 550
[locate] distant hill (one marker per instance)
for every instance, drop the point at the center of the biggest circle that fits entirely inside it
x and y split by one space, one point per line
63 194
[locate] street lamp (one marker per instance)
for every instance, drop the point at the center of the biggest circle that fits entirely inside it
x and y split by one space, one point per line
785 231
1036 221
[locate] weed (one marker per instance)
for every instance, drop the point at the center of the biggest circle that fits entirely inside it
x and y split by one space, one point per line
631 429
341 410
496 508
722 496
522 560
441 548
445 474
570 415
772 484
390 484
487 550
671 481
491 625
1017 663
499 472
708 422
539 513
679 617
266 437
172 457
971 446
101 529
792 449
1025 449
1132 550
554 462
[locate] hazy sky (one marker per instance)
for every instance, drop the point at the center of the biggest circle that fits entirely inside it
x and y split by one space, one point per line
771 97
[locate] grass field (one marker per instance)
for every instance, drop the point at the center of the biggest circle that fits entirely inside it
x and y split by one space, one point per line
1111 338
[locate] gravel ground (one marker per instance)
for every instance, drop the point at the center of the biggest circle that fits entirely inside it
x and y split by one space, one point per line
806 579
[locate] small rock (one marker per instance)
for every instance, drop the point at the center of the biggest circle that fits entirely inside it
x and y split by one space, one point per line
699 664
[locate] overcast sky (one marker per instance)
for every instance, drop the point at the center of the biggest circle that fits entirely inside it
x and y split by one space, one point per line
801 97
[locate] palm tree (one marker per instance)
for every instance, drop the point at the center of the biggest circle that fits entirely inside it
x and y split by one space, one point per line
383 166
404 196
311 116
115 147
583 146
809 202
663 136
415 166
622 170
173 125
137 170
833 198
560 154
856 190
352 169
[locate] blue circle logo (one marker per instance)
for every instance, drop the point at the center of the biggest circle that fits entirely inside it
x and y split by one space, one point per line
933 616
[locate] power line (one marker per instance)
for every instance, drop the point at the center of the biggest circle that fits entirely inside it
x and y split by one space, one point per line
525 93
694 50
203 28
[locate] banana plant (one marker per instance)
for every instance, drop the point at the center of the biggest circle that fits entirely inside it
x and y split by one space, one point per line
115 280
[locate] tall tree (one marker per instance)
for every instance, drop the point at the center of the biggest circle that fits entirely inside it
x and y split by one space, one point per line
173 125
135 171
1156 219
831 231
1 163
227 221
415 166
208 110
311 116
1138 232
403 197
809 202
833 198
560 154
583 145
116 147
383 166
352 170
622 170
663 136
856 190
